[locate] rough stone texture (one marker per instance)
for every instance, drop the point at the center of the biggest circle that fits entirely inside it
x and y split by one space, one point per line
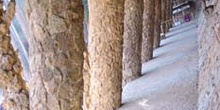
105 53
167 15
55 54
157 29
132 40
209 62
148 30
15 93
170 9
86 80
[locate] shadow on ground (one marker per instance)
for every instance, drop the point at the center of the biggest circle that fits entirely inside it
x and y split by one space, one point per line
169 81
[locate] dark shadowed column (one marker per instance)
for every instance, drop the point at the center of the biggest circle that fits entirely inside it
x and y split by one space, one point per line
163 18
132 40
148 30
157 25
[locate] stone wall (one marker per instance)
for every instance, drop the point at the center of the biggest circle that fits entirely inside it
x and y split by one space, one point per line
209 61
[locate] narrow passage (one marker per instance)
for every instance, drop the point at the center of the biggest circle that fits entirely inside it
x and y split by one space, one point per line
169 81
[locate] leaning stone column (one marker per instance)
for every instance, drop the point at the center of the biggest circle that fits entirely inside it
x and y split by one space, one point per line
56 54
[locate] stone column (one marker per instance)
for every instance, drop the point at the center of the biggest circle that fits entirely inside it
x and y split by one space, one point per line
105 53
157 25
132 40
56 54
163 17
148 30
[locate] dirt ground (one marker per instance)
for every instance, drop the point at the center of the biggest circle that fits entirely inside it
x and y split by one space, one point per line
169 81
